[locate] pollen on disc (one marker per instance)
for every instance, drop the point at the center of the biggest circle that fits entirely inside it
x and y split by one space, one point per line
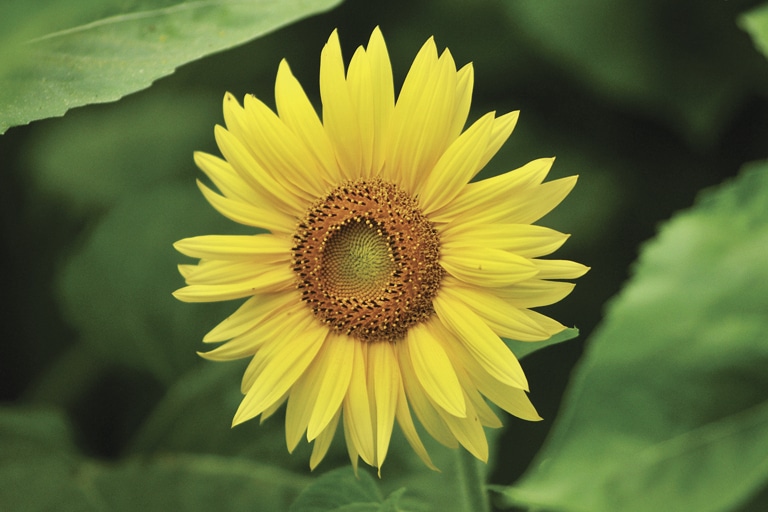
366 261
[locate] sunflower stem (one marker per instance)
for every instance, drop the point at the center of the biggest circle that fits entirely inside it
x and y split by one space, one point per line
472 481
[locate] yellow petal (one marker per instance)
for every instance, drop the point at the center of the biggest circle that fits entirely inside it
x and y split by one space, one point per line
468 431
483 266
499 189
226 179
234 118
383 93
275 194
550 325
535 293
526 206
360 82
299 407
350 442
316 397
434 370
339 115
215 272
502 129
291 321
512 399
460 358
486 415
503 318
248 214
409 429
421 405
211 272
384 380
272 409
430 121
299 115
357 409
264 248
186 270
527 240
281 153
250 313
263 331
456 166
559 269
336 362
422 116
280 369
484 345
323 442
274 279
465 81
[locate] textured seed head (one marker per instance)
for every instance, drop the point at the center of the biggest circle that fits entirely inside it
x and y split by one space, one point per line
367 261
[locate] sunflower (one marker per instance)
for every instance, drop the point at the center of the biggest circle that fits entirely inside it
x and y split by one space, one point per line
381 281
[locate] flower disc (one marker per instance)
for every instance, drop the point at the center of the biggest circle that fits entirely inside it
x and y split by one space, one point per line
366 261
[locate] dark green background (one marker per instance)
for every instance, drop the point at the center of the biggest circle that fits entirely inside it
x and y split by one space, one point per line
648 102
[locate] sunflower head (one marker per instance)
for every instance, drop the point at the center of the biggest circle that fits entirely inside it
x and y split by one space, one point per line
367 261
386 280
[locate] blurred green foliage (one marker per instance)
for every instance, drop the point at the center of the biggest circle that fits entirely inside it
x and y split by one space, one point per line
756 23
106 405
42 470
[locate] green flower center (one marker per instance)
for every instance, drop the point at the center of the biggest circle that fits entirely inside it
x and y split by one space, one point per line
367 261
357 260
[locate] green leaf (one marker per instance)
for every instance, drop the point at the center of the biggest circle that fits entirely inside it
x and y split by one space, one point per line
341 491
40 470
58 55
755 22
522 349
669 409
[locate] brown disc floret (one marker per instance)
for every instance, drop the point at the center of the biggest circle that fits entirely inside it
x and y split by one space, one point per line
367 260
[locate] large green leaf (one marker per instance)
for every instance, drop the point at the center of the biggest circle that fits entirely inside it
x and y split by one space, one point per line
756 23
40 470
56 55
669 409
